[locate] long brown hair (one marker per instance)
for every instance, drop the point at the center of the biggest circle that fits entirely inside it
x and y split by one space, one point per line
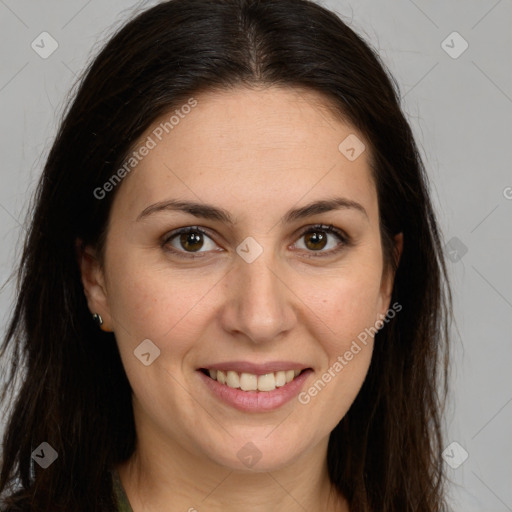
385 454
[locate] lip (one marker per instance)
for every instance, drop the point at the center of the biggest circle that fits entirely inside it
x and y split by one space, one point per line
255 401
256 369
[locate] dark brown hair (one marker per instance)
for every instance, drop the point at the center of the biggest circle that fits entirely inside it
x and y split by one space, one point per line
385 454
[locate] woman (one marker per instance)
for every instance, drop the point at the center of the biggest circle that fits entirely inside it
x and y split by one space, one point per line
232 294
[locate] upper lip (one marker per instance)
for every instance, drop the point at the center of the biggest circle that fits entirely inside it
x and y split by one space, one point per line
256 369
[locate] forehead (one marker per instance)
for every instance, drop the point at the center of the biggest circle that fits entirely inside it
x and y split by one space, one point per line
251 146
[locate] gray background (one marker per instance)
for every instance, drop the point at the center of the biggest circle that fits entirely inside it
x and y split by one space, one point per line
460 109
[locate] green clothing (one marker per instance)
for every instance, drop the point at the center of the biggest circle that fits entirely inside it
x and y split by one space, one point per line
123 505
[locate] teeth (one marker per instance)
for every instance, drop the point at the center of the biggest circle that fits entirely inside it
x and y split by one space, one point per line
232 379
248 382
280 379
266 382
251 382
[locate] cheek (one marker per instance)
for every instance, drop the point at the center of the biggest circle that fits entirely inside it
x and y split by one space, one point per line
356 308
346 302
168 309
150 302
350 315
348 312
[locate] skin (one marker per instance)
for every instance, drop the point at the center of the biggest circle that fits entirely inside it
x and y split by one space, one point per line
256 153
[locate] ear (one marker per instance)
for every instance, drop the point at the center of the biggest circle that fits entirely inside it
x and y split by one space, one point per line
94 283
388 276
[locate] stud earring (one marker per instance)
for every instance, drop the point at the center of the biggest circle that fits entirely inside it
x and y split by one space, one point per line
97 318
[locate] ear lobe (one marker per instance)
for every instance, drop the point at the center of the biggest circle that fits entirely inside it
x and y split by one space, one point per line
93 282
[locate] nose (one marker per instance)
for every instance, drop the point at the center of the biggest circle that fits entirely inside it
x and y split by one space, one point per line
259 302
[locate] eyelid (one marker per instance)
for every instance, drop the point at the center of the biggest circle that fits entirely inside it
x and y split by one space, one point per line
344 239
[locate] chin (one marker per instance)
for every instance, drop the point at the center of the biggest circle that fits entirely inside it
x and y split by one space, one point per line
262 454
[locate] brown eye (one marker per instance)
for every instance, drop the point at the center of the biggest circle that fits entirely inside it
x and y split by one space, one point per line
318 238
315 240
187 241
191 241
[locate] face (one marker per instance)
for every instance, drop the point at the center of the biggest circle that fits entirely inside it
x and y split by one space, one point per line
247 281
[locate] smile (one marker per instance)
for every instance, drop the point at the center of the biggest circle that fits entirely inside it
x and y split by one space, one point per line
251 382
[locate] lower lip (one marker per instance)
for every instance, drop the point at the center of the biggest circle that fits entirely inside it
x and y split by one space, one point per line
256 401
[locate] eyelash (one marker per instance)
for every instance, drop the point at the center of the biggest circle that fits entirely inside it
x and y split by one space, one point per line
345 240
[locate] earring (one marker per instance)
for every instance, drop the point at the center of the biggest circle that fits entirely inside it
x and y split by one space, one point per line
97 318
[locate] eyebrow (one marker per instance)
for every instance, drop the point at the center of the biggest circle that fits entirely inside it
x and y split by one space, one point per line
207 211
